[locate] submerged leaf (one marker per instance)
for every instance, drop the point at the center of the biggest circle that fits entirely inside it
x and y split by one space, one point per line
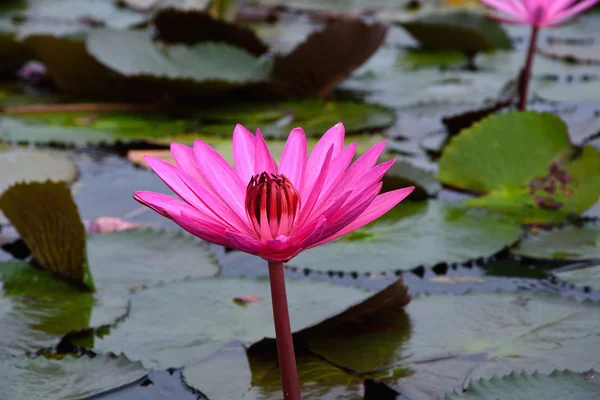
48 221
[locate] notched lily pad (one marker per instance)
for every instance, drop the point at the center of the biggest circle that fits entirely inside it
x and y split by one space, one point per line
523 386
69 378
569 242
48 221
457 30
525 167
413 234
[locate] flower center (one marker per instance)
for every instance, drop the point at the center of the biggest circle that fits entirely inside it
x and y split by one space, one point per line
272 203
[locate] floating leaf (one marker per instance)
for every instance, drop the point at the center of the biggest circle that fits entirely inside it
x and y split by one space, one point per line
275 120
172 325
306 72
573 54
572 92
523 164
466 32
26 165
36 310
587 276
48 221
523 386
67 379
567 243
194 26
418 58
133 54
121 261
410 235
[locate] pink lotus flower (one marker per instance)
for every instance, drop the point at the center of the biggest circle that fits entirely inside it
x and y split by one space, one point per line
273 211
538 13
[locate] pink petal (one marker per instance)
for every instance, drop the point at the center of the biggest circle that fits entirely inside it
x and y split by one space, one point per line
243 152
225 181
185 160
316 234
245 243
170 176
263 162
339 165
578 8
371 177
382 204
333 138
173 208
313 195
557 6
502 5
293 158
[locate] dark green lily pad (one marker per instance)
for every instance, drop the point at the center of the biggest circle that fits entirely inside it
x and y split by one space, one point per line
175 324
275 120
462 31
566 243
122 261
587 276
403 174
67 379
524 165
36 309
419 58
26 165
523 386
410 235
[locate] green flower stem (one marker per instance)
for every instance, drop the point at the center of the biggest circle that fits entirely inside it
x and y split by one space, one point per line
526 76
283 333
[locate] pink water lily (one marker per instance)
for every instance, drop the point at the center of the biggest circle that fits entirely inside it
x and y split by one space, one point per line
270 210
538 13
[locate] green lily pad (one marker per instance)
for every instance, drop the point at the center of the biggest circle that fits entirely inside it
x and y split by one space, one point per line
523 164
523 386
462 31
410 235
448 339
566 243
175 324
418 58
132 53
67 379
587 276
48 221
275 120
122 261
36 309
26 165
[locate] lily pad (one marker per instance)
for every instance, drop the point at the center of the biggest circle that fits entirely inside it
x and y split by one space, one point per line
26 165
175 324
122 261
476 335
413 234
403 174
457 30
572 92
523 386
587 276
132 53
275 120
67 379
524 165
36 309
48 221
567 243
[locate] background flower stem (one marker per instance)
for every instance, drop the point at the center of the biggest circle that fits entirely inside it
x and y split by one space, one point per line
527 69
283 333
